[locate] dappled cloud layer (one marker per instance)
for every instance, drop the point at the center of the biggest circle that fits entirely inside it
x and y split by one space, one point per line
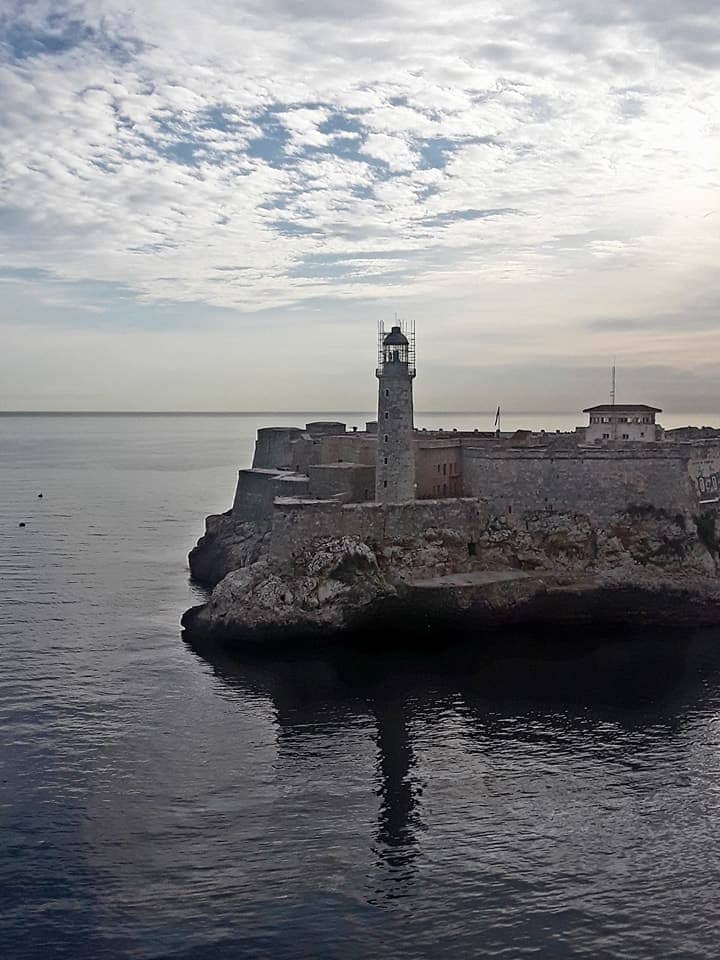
552 161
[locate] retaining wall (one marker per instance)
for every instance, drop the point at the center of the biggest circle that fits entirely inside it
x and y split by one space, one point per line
297 523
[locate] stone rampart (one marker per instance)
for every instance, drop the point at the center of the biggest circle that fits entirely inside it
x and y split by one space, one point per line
298 523
704 470
349 447
273 447
353 481
291 485
596 482
254 495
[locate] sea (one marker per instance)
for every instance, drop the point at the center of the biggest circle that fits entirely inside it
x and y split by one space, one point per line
514 795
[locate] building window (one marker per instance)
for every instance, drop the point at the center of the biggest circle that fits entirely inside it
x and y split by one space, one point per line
387 393
626 436
384 483
444 469
438 468
387 414
606 436
386 438
385 459
444 489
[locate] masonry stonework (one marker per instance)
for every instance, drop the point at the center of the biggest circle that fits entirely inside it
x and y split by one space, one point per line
395 472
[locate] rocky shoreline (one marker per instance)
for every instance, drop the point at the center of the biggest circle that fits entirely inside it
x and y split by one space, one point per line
642 566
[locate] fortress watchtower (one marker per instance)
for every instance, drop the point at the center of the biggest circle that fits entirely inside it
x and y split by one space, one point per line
395 473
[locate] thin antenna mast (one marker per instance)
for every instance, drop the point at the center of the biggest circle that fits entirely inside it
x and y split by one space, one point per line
613 385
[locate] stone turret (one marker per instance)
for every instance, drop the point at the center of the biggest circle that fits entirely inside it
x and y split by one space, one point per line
395 473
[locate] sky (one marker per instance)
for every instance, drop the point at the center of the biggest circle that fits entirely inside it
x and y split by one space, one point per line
210 206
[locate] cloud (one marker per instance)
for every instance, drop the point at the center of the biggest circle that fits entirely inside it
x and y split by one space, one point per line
264 156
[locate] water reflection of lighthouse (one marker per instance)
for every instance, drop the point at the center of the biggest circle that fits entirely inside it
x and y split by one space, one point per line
399 792
317 707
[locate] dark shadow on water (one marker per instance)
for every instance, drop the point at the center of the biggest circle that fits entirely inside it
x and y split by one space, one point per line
552 683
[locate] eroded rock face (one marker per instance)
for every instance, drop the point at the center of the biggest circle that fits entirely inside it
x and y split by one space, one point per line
227 545
330 586
642 565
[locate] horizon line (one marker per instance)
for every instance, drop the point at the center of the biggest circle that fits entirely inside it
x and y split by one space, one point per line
292 413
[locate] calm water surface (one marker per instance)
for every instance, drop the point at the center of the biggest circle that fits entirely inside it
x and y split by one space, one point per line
551 797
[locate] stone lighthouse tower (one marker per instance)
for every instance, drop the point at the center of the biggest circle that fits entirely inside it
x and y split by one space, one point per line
395 473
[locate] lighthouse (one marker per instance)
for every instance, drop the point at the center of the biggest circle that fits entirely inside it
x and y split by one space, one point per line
395 473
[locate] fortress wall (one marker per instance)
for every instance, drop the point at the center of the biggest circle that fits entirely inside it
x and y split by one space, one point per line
354 481
465 517
297 523
350 448
597 483
292 485
438 469
304 451
704 470
322 428
273 447
254 494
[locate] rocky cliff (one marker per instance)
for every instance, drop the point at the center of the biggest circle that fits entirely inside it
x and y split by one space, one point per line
226 545
641 565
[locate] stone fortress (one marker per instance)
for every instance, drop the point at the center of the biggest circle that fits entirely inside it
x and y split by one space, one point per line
621 454
330 521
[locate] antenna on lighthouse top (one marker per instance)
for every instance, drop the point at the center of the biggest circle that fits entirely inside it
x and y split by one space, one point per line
612 385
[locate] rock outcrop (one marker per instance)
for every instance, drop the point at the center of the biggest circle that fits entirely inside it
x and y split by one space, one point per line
643 565
330 588
226 545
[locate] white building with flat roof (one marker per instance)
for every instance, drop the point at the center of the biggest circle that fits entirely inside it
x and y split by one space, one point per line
622 421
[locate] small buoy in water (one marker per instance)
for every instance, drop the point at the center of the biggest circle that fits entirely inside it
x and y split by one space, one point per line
21 524
40 496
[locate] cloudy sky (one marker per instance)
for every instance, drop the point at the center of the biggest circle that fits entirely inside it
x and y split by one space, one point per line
210 205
